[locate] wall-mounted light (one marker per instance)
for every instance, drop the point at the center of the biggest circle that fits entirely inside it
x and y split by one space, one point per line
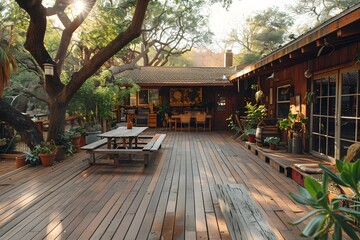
49 69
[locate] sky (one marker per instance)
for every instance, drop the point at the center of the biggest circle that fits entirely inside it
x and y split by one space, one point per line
222 20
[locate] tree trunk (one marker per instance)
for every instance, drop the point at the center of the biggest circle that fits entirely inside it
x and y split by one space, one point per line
56 120
21 123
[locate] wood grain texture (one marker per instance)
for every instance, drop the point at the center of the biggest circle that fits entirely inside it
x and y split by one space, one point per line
173 198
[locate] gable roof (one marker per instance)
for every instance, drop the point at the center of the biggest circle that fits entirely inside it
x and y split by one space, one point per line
180 76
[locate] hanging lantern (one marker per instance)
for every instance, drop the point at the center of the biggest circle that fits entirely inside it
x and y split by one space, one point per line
49 69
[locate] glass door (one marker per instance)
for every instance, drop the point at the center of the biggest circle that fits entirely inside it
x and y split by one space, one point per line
349 123
324 116
335 115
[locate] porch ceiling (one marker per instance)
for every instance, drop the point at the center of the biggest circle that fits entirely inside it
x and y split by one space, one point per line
338 31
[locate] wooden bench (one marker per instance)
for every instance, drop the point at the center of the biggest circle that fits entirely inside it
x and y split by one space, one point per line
151 147
242 215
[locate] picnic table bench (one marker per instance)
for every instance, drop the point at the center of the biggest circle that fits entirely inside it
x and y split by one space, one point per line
151 147
242 215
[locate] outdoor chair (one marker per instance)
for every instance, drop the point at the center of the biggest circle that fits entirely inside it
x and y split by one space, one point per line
185 119
200 119
169 121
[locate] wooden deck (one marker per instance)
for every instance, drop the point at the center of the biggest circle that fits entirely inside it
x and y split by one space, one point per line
173 198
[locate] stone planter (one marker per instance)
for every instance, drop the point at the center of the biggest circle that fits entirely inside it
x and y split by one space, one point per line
92 137
297 143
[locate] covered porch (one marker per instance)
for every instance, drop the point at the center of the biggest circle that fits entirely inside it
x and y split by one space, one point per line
173 198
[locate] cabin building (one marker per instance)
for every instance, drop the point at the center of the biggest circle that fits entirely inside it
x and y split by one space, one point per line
325 62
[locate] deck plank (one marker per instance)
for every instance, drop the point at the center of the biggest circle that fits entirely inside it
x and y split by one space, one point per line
173 198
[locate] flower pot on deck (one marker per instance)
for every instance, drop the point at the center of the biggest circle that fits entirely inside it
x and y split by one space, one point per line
47 159
251 138
20 161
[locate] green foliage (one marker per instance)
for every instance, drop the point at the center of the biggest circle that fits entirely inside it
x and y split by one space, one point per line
261 34
92 101
46 147
330 214
125 87
272 140
294 123
66 141
163 108
250 131
32 157
174 27
255 114
232 125
76 131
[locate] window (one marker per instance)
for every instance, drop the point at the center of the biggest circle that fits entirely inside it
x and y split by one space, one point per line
283 101
221 103
146 96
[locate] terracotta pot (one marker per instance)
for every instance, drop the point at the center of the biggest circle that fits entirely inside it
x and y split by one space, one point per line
251 138
129 125
47 159
76 142
272 146
20 161
82 141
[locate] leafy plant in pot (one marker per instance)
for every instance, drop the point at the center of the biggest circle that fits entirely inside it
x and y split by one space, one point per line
75 134
295 125
255 115
46 152
273 142
64 147
250 133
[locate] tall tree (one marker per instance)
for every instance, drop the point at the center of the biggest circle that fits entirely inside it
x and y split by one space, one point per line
172 29
59 93
263 33
322 9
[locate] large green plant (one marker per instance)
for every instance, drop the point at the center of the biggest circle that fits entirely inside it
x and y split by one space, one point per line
331 214
93 101
255 114
293 123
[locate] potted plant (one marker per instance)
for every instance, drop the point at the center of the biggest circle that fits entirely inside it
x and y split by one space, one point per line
32 157
295 125
46 152
273 142
255 115
76 133
163 108
250 133
64 147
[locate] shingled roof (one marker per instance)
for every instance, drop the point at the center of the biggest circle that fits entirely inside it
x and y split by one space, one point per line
180 76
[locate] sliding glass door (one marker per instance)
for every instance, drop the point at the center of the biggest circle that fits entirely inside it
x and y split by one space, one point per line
335 121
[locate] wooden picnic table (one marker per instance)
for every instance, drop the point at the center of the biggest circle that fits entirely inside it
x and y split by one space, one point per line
123 133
